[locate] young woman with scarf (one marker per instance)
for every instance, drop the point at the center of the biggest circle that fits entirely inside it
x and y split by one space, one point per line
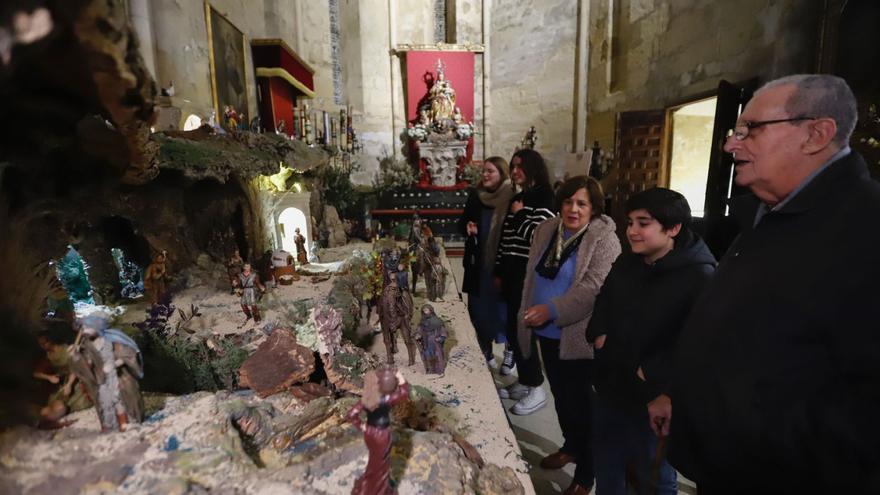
528 208
481 223
568 262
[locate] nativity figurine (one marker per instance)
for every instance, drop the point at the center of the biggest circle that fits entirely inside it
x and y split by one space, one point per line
435 272
426 261
302 255
109 365
68 395
396 306
383 388
247 285
233 269
432 335
155 277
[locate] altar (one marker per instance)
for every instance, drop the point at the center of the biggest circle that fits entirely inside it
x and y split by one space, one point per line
439 143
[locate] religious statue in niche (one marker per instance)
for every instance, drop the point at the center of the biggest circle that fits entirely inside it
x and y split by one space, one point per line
383 388
442 97
432 335
438 114
395 306
441 131
109 365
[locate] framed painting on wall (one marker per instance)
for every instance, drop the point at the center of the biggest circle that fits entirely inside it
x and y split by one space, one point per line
228 69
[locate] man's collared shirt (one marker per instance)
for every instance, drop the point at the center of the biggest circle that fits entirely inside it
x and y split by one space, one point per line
763 209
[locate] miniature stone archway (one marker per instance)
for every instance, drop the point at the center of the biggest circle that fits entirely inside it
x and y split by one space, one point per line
192 123
291 210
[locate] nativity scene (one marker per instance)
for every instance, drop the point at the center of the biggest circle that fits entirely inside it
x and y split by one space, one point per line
356 247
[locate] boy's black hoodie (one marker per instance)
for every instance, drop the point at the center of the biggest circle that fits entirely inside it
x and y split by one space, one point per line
642 309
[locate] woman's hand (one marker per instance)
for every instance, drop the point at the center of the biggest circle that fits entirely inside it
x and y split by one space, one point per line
600 341
516 206
537 315
471 228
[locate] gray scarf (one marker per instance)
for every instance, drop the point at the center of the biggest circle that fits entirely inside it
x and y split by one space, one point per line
499 199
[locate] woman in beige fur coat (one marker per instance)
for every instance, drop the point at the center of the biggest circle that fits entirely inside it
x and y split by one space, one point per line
568 261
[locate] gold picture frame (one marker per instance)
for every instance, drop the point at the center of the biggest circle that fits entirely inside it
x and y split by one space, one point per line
227 54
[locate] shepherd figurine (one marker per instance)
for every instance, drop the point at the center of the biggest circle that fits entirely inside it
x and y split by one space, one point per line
382 389
432 335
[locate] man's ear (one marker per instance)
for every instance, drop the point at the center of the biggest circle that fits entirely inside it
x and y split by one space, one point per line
821 134
674 230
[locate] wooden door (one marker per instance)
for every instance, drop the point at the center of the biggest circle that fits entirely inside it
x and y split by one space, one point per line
639 157
718 227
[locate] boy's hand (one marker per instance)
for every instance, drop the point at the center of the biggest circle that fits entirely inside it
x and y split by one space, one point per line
660 414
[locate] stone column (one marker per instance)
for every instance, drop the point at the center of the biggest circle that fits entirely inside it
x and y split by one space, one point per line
142 22
442 158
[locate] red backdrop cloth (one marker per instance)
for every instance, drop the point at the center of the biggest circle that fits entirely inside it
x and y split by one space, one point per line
282 103
459 72
421 71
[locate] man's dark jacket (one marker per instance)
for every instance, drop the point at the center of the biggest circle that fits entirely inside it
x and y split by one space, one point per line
777 380
642 309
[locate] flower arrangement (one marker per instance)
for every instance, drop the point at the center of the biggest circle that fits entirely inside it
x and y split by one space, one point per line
471 172
393 174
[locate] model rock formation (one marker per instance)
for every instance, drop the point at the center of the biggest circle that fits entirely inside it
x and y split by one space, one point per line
278 363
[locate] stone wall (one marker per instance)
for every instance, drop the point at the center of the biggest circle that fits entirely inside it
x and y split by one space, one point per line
182 48
532 65
671 52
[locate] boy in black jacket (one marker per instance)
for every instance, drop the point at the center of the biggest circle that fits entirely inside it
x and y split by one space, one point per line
636 322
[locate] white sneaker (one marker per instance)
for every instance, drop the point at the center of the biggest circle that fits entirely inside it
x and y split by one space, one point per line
492 363
508 366
516 391
530 403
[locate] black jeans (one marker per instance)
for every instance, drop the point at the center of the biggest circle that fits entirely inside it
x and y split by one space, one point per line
528 369
570 382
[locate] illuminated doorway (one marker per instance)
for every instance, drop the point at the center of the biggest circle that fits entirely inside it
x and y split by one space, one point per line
691 126
290 220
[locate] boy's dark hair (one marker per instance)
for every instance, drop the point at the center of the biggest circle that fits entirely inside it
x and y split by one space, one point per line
666 206
534 167
594 191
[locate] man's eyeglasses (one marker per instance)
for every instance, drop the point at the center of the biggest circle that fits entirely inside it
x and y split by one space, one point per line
741 131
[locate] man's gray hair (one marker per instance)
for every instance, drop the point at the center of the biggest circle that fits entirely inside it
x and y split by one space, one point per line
821 95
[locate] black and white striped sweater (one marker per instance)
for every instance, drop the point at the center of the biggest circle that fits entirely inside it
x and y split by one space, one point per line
518 229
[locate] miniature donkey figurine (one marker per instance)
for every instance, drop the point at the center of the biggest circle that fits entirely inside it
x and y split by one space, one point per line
396 306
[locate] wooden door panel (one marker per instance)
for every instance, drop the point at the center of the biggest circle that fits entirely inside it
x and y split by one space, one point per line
639 158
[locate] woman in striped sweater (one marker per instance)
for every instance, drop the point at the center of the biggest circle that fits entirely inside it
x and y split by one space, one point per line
528 208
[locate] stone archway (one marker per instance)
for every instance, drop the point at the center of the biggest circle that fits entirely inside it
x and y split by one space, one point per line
294 208
288 220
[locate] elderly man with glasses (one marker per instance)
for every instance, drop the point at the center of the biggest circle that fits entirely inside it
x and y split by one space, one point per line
777 378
